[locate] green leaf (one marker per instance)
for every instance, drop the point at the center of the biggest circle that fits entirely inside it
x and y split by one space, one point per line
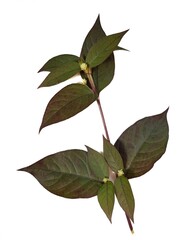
125 196
143 143
92 37
66 174
103 48
120 48
58 62
69 101
112 156
61 68
103 73
97 164
106 198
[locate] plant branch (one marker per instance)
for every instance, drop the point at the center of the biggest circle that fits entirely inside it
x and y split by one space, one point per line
112 175
91 81
103 119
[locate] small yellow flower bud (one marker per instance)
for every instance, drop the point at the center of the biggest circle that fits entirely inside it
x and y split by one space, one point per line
84 81
83 66
105 180
120 173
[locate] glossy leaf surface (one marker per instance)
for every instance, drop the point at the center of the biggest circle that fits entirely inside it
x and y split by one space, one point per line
103 48
97 164
66 103
125 196
106 198
143 143
112 156
61 68
102 74
66 174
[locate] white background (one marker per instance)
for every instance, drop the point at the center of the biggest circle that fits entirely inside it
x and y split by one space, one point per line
145 83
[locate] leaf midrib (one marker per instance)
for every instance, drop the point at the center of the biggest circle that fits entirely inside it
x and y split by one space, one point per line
69 103
141 145
90 177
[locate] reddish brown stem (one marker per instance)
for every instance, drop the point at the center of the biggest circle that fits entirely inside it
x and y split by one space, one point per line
103 119
129 223
112 175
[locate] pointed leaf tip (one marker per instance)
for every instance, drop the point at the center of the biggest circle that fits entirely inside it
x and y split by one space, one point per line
20 169
103 48
66 174
106 198
103 73
166 111
61 68
125 196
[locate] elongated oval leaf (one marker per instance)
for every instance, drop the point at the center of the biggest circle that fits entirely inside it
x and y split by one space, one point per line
66 103
143 143
58 61
60 75
61 68
66 174
112 156
97 164
92 37
103 48
106 198
125 196
103 73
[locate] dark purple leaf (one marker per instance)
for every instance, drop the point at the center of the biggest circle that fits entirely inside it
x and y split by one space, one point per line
66 174
143 143
66 103
106 198
125 196
61 68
